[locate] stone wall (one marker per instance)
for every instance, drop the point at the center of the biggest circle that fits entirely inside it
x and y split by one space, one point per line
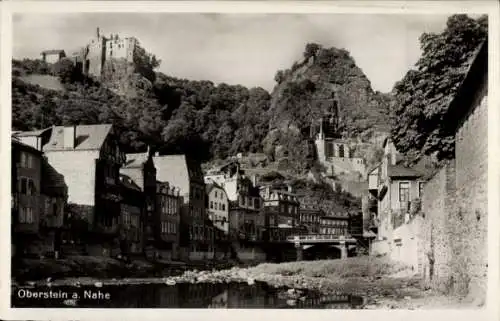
472 196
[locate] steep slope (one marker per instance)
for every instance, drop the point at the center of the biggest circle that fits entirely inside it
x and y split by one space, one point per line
304 93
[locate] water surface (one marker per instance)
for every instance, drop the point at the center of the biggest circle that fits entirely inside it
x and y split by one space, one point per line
191 296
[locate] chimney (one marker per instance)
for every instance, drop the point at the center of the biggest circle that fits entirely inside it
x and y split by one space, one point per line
290 188
147 150
157 154
98 33
394 153
69 136
254 180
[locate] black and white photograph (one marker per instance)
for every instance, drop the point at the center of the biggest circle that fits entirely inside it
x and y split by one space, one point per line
249 160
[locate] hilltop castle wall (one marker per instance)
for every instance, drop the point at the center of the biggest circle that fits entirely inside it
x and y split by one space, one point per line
98 55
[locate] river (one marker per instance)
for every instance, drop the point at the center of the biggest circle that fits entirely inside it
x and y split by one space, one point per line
184 295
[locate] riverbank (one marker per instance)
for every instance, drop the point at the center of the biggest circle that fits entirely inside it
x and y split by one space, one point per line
90 267
381 282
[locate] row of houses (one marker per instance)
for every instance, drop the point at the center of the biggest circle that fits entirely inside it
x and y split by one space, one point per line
74 190
435 219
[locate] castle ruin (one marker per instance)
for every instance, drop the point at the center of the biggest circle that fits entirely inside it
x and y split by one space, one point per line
93 57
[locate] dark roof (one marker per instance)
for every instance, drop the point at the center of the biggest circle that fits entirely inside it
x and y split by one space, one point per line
52 51
208 187
30 133
127 182
402 171
53 183
136 160
24 146
462 103
88 137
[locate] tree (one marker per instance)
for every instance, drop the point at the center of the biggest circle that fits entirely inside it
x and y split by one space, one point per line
145 63
423 95
311 49
65 70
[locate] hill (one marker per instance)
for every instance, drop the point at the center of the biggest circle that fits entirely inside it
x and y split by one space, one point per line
206 121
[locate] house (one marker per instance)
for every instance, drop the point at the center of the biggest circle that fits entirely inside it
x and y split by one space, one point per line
397 187
52 56
336 224
246 211
131 221
218 206
54 197
89 157
166 223
26 176
282 211
218 213
185 173
139 167
310 215
35 138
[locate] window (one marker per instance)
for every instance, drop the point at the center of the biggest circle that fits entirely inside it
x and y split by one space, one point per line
26 215
420 189
26 186
404 191
341 150
26 160
223 207
215 194
211 204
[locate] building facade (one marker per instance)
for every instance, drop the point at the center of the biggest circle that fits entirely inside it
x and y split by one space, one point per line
334 225
131 220
89 157
52 56
282 211
180 171
246 212
139 167
397 188
218 206
310 216
26 174
169 204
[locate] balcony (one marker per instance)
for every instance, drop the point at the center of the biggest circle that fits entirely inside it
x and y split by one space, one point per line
52 222
30 228
113 229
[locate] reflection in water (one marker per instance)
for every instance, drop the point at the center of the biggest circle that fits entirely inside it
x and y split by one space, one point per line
232 295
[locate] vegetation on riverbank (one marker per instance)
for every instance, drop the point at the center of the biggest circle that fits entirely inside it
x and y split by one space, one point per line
362 266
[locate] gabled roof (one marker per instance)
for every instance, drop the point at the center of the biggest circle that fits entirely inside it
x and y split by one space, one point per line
174 170
402 171
127 182
212 185
88 137
52 52
136 160
30 133
461 104
53 182
24 146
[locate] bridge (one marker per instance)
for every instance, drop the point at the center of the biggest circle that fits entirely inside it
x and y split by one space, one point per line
303 242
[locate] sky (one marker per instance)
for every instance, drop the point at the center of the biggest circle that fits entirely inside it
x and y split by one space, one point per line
244 49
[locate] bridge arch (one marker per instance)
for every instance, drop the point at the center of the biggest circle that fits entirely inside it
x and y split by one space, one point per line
322 252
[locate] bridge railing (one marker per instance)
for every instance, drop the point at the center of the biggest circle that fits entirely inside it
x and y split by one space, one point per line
315 237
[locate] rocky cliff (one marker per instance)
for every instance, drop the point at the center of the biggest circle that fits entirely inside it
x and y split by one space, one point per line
309 89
